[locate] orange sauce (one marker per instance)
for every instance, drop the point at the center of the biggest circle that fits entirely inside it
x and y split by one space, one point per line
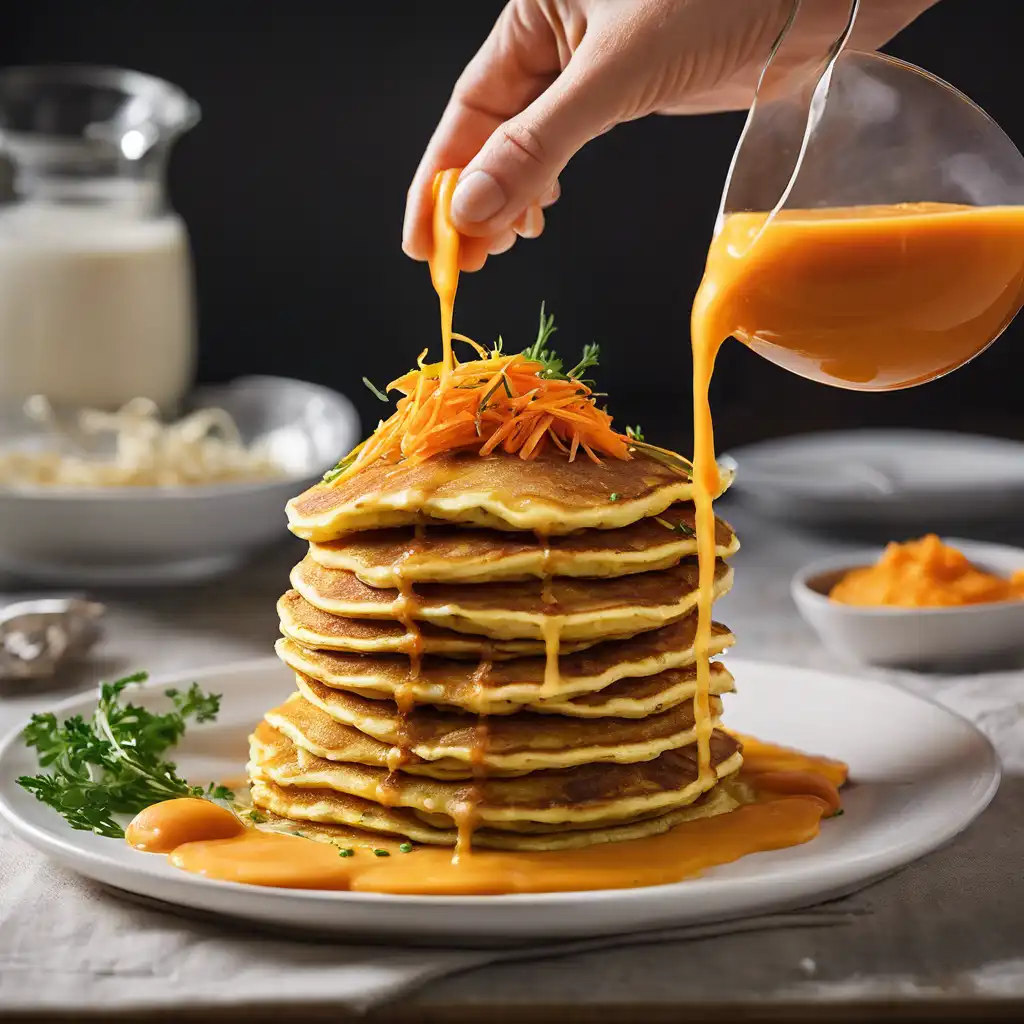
760 757
211 841
165 826
468 816
551 630
924 573
547 594
868 298
444 259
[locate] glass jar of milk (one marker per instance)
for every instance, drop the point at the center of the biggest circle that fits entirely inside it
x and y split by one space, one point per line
96 303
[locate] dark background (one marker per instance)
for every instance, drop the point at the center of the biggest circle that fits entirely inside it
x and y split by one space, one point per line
315 115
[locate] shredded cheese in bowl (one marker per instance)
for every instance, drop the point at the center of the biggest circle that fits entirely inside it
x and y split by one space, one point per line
134 448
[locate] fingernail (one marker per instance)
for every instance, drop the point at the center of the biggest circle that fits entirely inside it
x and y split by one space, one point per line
408 245
502 244
477 198
552 194
533 223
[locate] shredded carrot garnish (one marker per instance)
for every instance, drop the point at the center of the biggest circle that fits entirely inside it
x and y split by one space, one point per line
497 400
519 402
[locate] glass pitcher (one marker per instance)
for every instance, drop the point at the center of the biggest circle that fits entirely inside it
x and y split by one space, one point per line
873 215
96 304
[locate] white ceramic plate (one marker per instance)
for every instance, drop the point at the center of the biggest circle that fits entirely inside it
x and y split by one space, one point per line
909 477
919 776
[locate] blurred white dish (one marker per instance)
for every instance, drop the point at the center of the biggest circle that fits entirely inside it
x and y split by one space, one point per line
932 638
896 477
153 535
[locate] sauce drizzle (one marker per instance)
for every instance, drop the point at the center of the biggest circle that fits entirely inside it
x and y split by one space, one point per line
444 260
209 840
871 298
467 815
405 611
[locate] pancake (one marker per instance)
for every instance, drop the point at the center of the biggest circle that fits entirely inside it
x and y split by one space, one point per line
638 698
598 682
501 491
316 629
577 609
310 728
447 554
348 821
462 744
589 795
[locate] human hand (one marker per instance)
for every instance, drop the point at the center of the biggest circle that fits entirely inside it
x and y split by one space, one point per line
554 74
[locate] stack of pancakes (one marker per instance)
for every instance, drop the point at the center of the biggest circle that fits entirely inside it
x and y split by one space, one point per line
498 648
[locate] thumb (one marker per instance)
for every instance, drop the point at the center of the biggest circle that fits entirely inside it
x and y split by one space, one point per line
524 155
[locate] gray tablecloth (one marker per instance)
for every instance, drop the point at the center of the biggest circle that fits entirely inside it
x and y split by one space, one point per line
946 926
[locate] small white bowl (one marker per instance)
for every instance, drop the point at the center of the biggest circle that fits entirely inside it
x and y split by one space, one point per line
133 536
927 638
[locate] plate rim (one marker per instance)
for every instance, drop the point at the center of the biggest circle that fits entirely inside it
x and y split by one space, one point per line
877 433
906 493
873 865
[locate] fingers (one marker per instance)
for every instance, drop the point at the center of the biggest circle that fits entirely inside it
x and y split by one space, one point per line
517 61
513 122
530 223
550 197
473 254
518 166
474 251
456 140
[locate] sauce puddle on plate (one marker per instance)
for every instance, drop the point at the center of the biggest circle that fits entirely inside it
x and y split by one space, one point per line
793 792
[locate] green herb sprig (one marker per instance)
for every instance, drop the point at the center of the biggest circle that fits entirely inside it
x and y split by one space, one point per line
553 365
333 474
377 393
684 528
114 764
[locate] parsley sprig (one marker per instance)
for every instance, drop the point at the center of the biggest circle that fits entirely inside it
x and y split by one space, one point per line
539 352
114 764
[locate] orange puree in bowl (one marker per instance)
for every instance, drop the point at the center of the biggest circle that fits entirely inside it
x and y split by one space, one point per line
924 573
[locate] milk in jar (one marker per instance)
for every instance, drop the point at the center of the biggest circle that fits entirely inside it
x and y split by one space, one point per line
95 307
96 304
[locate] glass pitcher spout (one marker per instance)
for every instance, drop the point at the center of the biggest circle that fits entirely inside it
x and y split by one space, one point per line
78 133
